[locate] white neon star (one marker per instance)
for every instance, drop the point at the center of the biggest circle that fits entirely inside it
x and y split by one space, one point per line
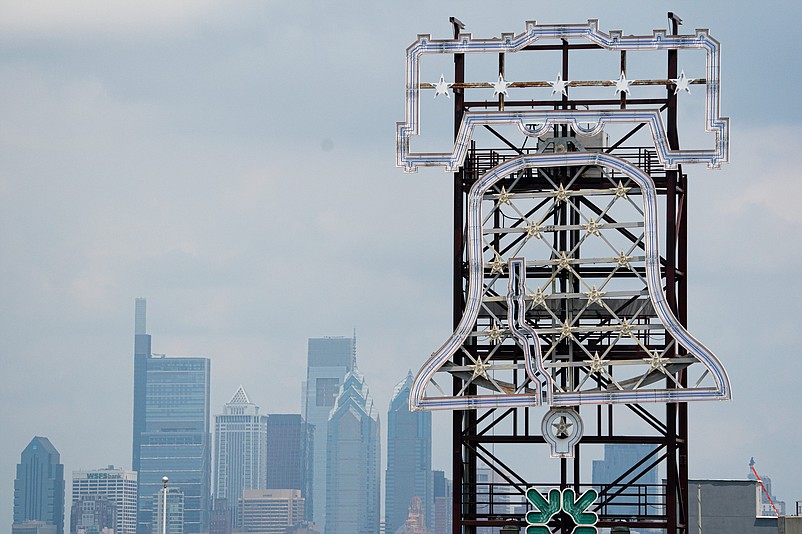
559 85
565 330
504 196
497 265
594 295
655 361
681 83
441 87
592 227
625 328
622 84
563 261
623 259
597 363
500 87
533 230
561 194
495 333
480 368
620 191
537 297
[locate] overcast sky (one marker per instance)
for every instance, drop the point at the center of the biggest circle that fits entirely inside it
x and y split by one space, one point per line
233 162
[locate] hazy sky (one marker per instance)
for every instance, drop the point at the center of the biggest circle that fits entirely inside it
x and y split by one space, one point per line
233 162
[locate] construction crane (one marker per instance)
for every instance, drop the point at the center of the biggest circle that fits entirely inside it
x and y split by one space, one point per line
760 481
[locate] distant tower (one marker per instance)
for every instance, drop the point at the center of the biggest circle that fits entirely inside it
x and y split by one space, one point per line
409 459
240 443
117 485
270 511
441 523
39 486
93 514
289 450
176 521
640 494
329 360
354 442
171 430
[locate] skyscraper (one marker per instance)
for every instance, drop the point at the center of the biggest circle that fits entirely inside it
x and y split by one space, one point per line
353 448
174 522
240 444
329 360
39 486
441 523
289 450
409 460
640 495
270 511
117 485
93 514
171 430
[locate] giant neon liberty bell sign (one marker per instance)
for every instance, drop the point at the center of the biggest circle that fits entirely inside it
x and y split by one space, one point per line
564 288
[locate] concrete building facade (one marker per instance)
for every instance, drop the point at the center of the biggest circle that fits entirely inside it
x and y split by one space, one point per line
240 444
117 485
270 511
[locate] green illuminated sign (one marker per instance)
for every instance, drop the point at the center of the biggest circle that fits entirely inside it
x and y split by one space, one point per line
565 500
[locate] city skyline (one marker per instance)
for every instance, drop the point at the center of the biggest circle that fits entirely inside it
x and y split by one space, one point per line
148 150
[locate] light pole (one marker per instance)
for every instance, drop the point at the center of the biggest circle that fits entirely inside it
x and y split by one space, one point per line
164 505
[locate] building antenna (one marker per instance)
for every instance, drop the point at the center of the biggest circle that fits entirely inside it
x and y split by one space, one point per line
759 481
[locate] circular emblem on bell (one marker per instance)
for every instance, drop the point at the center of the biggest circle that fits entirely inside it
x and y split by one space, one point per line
562 428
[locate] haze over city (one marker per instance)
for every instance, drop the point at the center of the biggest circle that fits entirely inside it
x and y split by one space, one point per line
235 164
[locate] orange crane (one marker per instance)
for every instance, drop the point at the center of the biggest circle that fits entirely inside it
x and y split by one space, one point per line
759 481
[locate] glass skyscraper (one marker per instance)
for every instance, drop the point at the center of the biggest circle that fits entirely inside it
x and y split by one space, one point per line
240 444
39 486
409 460
640 495
353 490
329 360
171 430
288 452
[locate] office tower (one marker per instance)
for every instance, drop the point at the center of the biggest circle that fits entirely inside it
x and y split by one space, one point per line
329 359
441 522
492 495
270 511
93 514
409 460
640 497
175 522
33 527
171 430
240 444
39 486
117 485
289 449
353 448
220 518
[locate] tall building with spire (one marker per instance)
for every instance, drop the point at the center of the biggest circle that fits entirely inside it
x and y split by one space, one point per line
353 492
170 429
409 460
39 485
240 444
329 360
